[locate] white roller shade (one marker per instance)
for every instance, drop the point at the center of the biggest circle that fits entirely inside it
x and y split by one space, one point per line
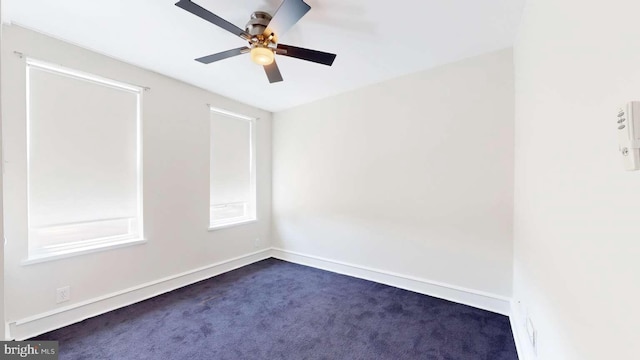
231 178
83 159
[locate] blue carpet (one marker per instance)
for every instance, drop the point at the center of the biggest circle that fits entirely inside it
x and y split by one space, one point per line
278 310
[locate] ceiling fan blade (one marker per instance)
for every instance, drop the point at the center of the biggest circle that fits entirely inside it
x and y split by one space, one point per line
287 15
223 55
205 14
273 73
307 54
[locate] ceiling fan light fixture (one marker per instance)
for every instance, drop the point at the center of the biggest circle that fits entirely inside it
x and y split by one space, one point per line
262 55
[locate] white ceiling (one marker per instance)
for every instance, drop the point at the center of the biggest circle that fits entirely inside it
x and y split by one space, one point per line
375 40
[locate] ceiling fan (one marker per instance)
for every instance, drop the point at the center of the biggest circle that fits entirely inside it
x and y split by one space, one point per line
262 33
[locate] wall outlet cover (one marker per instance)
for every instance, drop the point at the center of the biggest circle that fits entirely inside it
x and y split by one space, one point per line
63 294
531 332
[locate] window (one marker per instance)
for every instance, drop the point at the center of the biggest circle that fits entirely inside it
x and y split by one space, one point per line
232 169
84 174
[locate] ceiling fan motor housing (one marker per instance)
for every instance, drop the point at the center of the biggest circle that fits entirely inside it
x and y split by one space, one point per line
258 23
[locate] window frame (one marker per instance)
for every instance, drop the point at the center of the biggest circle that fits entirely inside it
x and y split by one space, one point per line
37 254
213 226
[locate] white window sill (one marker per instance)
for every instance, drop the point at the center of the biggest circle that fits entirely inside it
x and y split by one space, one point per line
232 224
40 258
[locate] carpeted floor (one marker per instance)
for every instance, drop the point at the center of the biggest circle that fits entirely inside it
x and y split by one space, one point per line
278 310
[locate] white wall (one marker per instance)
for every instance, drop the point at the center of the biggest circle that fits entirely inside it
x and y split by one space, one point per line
2 327
412 176
176 187
577 227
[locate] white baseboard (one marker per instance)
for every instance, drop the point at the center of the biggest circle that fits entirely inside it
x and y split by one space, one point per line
479 299
55 319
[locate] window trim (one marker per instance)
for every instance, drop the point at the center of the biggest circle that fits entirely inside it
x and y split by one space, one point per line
37 255
233 224
37 259
252 170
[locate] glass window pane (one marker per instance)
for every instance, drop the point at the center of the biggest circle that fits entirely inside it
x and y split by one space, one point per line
232 194
83 161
